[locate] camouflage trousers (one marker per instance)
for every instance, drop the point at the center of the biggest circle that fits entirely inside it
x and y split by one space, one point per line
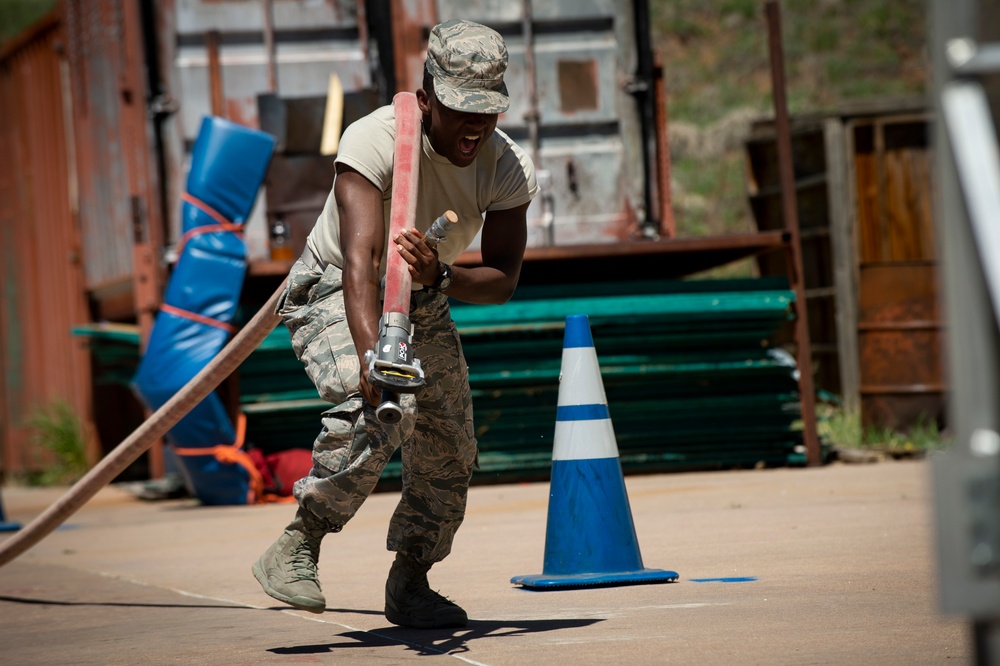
436 432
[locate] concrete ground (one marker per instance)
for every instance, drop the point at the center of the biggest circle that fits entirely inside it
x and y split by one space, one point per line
840 557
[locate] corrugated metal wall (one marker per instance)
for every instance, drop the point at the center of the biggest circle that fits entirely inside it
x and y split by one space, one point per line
41 277
103 193
121 208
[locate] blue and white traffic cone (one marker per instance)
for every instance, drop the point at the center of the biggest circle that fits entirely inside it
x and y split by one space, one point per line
590 538
5 525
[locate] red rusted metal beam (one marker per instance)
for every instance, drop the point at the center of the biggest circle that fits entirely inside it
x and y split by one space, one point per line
269 49
147 213
212 44
668 225
532 116
657 259
363 32
807 392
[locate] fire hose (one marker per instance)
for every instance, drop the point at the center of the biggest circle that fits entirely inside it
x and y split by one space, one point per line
391 365
151 430
399 373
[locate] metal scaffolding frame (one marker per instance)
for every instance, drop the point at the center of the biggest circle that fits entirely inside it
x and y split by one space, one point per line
966 59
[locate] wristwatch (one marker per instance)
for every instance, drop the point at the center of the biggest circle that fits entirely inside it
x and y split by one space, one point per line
444 279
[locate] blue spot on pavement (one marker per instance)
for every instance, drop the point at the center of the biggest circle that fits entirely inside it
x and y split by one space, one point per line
735 579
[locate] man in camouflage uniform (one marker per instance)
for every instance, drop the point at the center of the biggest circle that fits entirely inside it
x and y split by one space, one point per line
332 309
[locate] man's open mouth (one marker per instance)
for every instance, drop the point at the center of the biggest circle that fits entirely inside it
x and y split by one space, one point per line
467 144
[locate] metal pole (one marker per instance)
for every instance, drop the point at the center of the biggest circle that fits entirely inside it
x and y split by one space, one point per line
668 225
531 116
272 69
642 87
212 43
967 198
794 249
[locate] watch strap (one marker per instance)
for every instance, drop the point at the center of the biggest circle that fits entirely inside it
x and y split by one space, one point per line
444 277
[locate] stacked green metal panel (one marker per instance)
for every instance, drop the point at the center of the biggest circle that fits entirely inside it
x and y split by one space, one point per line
690 376
689 373
688 367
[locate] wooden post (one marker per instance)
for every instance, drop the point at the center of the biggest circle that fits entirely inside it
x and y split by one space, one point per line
842 243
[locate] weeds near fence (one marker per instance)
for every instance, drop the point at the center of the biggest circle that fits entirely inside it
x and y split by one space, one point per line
842 428
58 429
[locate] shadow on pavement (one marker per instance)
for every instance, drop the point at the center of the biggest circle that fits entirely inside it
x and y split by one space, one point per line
437 641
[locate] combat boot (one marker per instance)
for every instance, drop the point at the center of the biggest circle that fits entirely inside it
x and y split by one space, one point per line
288 569
410 602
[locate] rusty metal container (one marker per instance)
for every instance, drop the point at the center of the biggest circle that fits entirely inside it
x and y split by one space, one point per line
902 378
900 332
863 189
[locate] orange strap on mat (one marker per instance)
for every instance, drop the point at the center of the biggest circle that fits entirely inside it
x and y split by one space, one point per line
222 224
234 454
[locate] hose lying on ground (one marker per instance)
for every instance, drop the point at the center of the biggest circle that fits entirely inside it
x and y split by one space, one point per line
151 430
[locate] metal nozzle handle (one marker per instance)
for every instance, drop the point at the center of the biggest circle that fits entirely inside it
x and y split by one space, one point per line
440 228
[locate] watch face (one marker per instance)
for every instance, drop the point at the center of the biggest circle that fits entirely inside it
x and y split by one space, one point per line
444 281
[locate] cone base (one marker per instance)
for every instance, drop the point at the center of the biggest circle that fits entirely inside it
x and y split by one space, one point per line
568 581
10 527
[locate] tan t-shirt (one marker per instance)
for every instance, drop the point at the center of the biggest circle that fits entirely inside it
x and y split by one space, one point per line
501 177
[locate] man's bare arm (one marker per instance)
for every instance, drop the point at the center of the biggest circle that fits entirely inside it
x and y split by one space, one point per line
362 240
504 236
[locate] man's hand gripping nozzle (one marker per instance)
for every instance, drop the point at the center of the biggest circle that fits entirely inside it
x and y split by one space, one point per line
392 367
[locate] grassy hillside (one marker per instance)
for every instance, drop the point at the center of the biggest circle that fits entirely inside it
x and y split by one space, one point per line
15 15
715 55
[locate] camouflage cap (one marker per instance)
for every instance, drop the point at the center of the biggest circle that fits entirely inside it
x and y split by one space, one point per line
467 61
